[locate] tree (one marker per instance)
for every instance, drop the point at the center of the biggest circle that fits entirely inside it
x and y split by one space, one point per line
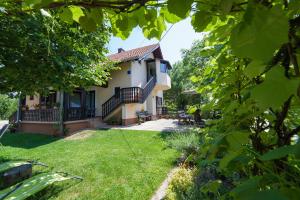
181 74
8 105
39 53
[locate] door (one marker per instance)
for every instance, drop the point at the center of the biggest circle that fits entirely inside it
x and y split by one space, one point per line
90 103
151 69
159 104
117 92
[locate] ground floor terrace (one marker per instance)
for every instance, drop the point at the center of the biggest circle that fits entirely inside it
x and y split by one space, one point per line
59 113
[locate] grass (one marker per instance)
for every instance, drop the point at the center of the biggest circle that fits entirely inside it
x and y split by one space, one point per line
115 164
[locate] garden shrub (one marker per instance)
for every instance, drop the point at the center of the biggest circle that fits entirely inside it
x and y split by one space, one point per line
8 106
181 184
186 142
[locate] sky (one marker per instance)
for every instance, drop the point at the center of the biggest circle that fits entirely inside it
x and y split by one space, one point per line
180 36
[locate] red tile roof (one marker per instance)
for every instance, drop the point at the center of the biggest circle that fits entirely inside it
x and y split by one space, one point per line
133 54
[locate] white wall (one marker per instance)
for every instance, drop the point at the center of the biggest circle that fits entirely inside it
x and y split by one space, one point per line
31 103
139 72
119 78
129 110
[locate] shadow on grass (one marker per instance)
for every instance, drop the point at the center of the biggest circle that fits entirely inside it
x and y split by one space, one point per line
26 141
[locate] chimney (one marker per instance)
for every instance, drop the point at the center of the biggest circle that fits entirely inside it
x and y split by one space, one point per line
120 50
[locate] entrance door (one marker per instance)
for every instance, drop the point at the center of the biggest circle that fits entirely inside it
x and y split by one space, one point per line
90 103
151 69
159 103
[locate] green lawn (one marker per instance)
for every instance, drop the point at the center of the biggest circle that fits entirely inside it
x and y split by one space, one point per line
115 164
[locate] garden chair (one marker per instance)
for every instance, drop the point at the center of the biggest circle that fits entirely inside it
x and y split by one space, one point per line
27 185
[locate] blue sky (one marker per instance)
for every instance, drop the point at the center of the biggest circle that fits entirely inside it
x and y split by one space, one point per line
181 36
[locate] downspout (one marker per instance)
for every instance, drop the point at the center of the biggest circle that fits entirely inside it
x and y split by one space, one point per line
18 110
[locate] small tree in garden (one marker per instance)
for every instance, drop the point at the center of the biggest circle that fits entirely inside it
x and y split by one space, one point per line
8 105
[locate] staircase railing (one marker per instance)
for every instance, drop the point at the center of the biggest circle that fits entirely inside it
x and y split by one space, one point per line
148 88
128 95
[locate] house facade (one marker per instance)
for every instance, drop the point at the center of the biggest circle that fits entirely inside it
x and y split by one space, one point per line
137 86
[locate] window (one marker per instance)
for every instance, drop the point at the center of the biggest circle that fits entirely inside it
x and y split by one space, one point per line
31 97
48 100
163 68
75 100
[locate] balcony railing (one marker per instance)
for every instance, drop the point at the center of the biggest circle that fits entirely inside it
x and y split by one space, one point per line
41 115
73 114
53 115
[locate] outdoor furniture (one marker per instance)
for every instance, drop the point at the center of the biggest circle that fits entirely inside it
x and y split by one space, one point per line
3 130
185 118
16 177
143 116
198 119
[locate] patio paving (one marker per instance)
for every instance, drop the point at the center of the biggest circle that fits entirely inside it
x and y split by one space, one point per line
156 125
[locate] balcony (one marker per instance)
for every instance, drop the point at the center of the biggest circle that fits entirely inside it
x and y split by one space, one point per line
163 78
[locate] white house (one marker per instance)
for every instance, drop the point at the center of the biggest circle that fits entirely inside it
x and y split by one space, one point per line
137 86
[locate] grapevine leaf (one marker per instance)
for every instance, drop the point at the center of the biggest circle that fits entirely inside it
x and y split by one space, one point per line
260 34
171 18
87 23
237 139
226 5
246 187
76 12
275 90
254 69
200 20
66 15
278 153
179 7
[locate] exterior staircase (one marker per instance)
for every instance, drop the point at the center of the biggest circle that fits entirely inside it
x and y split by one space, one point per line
127 96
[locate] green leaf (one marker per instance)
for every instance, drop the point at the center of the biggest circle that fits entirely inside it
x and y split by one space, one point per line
66 15
200 20
265 195
230 155
96 15
31 2
122 22
265 95
278 153
247 187
87 23
179 7
76 12
260 33
171 18
237 139
254 69
226 5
